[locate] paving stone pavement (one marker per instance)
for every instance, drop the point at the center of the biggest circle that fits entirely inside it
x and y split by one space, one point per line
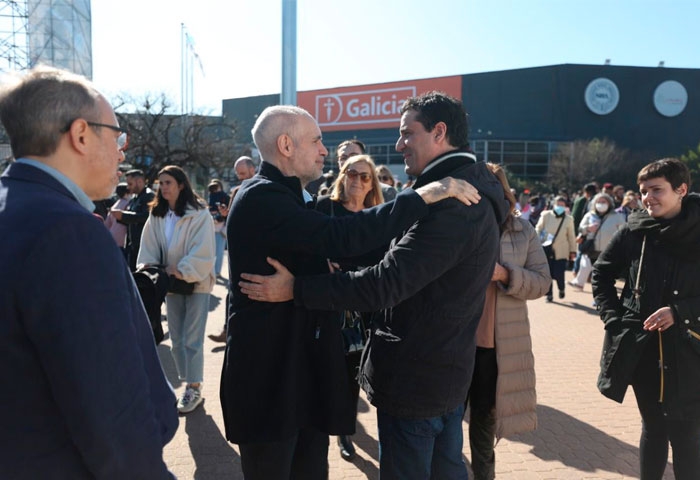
581 435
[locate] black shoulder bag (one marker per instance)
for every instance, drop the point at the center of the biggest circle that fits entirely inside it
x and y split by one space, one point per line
177 285
549 249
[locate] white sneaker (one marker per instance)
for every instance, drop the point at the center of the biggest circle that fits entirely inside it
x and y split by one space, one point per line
190 400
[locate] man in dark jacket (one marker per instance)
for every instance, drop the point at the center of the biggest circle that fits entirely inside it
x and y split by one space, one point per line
136 213
432 282
284 385
90 398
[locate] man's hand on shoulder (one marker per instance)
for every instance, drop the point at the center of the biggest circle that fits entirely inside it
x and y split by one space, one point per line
448 187
278 287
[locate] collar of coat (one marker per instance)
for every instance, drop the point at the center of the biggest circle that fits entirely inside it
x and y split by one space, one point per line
274 174
441 166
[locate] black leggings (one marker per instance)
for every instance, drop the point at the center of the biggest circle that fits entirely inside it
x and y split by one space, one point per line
658 430
482 420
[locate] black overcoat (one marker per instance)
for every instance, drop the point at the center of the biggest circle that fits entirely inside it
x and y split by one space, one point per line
284 366
669 277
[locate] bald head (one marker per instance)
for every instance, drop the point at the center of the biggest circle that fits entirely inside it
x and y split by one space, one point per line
244 167
274 122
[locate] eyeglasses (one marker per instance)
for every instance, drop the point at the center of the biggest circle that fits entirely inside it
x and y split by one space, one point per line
122 139
364 176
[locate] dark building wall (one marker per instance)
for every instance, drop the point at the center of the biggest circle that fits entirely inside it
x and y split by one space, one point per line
547 104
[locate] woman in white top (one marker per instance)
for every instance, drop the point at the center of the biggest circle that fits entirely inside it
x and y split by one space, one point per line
179 234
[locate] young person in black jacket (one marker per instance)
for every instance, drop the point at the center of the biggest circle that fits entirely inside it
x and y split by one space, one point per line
652 331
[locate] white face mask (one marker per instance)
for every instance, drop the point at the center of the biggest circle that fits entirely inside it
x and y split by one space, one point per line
601 207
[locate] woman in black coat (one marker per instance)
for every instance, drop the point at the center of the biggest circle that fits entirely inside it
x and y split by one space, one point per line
652 331
356 188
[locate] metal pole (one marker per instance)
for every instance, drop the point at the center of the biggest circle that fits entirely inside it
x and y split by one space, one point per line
289 52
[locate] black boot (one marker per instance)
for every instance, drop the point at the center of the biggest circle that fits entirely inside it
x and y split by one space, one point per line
347 449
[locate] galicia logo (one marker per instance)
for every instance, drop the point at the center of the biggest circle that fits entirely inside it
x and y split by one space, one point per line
362 107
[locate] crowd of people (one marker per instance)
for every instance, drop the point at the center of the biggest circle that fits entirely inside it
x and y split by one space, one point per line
337 282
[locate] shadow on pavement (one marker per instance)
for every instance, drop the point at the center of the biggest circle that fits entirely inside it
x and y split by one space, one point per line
214 302
561 437
213 456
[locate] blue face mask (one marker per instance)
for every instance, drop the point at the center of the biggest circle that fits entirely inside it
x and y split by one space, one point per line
558 210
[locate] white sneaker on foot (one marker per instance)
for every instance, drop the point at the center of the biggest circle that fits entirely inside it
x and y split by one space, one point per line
190 400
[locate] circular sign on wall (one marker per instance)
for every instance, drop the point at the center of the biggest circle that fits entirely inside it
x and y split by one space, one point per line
602 96
670 98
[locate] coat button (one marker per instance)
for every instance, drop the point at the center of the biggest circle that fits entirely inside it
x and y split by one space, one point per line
686 321
675 292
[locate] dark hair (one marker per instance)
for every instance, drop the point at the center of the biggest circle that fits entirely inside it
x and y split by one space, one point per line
159 205
122 189
434 107
353 141
672 169
500 174
591 188
42 106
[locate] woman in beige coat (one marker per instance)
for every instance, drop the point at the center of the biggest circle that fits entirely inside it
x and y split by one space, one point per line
502 396
556 227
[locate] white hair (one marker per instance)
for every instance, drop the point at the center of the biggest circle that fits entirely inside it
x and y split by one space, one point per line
273 122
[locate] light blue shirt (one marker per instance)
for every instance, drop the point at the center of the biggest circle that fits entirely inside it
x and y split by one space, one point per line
79 195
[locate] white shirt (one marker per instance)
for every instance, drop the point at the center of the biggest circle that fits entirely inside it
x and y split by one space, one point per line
170 220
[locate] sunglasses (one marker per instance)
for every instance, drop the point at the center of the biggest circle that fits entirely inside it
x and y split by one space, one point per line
385 178
364 176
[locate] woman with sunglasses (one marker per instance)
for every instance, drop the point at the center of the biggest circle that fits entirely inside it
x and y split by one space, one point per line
179 234
357 187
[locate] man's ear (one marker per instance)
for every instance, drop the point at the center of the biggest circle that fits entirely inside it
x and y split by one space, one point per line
285 145
78 135
440 131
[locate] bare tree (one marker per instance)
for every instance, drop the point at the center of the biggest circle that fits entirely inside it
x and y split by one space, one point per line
584 161
158 138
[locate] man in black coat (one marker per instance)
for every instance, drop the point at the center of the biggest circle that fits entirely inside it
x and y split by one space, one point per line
136 213
284 386
432 282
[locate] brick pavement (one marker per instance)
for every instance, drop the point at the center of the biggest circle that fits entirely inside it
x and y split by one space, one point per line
581 434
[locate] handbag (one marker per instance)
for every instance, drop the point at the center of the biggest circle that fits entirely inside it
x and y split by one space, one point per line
180 287
548 249
588 245
353 331
177 285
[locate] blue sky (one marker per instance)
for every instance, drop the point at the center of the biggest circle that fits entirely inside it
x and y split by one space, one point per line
136 43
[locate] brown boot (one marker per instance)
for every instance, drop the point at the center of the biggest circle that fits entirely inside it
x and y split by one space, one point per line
220 338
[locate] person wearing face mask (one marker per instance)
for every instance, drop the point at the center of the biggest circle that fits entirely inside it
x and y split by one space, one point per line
599 224
652 328
556 228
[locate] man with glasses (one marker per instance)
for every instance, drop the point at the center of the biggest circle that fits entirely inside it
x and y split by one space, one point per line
136 213
90 399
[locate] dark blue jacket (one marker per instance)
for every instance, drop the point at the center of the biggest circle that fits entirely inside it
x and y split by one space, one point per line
87 395
284 366
432 282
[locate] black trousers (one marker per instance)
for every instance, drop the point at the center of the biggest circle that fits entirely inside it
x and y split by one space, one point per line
658 431
482 419
556 270
302 457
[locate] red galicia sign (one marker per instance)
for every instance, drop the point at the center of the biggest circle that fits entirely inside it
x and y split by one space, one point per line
370 106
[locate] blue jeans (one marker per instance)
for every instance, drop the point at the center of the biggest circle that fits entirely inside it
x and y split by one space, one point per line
220 240
429 448
187 317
